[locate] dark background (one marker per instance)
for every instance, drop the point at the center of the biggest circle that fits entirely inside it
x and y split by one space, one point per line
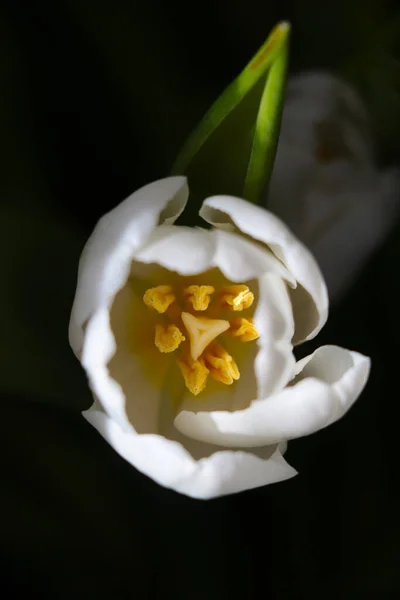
95 101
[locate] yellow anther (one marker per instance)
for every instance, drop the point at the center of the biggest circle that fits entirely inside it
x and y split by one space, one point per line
237 297
202 332
168 338
199 296
243 329
194 373
221 364
159 298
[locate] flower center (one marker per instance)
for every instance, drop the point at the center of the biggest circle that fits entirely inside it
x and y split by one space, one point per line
200 354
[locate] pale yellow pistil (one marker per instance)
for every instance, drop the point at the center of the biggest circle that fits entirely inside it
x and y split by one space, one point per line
199 296
237 297
168 338
202 332
243 329
159 298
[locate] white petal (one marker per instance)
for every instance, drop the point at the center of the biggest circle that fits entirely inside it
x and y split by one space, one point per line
310 299
105 261
240 259
273 319
185 250
98 349
321 113
328 383
131 399
189 251
170 465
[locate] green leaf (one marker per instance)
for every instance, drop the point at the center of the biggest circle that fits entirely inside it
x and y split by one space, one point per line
267 128
216 155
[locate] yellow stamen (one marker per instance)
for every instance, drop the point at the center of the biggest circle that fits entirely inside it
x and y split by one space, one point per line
237 297
221 364
168 338
243 329
201 355
159 298
195 374
199 296
202 332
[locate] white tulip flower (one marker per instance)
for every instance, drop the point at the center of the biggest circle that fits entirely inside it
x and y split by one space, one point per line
325 183
186 336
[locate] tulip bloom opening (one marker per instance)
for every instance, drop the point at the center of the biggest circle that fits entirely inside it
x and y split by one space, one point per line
187 335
